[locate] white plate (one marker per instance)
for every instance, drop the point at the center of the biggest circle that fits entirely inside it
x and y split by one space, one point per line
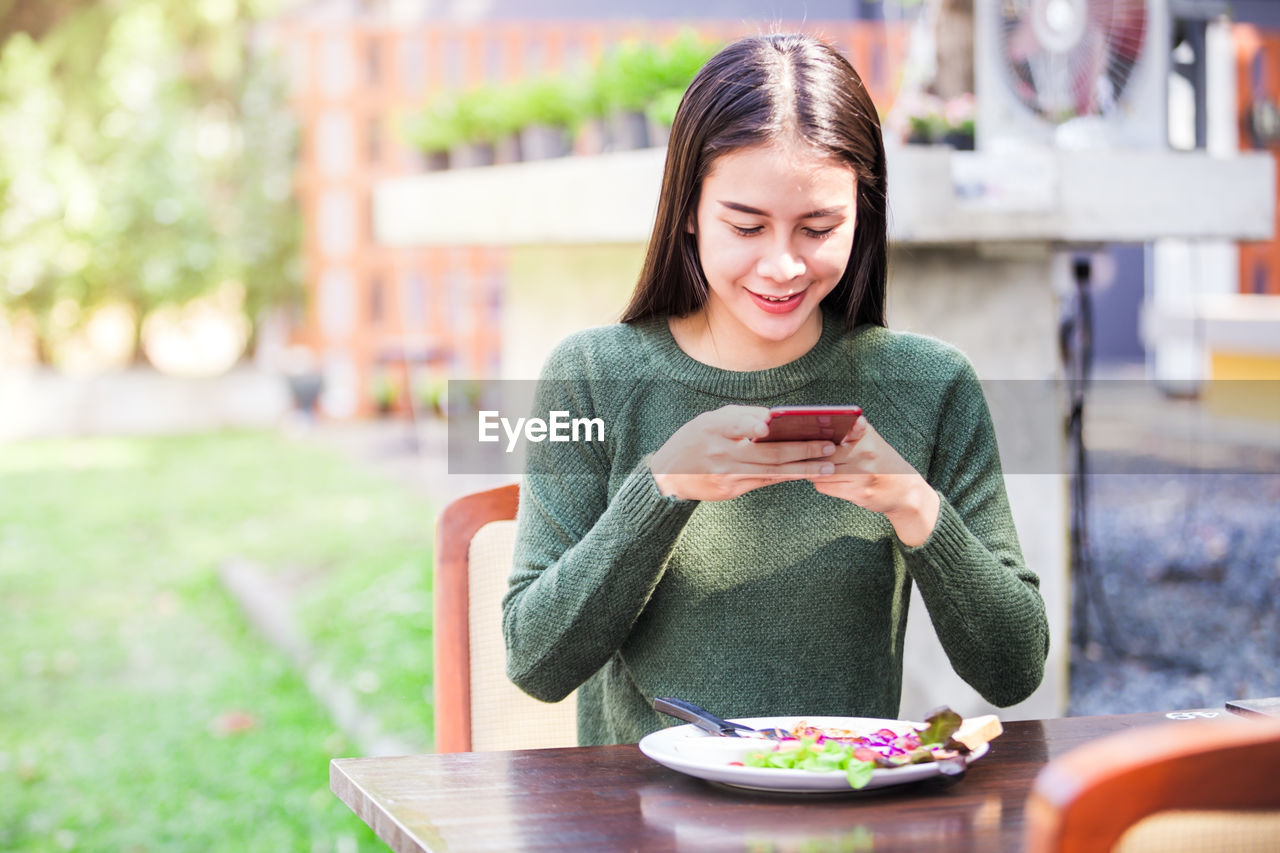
690 750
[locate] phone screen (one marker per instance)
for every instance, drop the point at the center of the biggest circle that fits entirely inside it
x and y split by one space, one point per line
811 423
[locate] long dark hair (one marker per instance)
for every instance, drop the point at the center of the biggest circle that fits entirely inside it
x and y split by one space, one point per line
757 90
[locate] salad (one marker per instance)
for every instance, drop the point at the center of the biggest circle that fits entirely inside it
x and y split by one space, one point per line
860 755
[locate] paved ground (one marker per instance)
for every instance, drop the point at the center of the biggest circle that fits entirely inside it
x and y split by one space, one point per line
414 452
1184 547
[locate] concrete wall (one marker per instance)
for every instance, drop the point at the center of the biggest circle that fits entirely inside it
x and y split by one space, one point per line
555 290
1000 308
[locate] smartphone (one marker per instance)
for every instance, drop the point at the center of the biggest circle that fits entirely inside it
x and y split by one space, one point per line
811 423
1255 707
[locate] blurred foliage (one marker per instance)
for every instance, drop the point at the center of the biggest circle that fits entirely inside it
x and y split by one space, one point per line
631 76
635 76
139 710
547 101
148 159
34 17
628 76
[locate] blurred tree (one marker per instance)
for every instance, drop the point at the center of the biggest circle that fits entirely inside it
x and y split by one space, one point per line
34 17
148 160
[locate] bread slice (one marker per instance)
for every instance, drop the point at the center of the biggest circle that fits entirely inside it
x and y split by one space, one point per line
975 731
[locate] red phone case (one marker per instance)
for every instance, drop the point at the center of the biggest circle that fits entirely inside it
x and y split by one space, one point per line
811 423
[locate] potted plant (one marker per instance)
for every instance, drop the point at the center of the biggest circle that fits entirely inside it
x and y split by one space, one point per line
385 395
434 131
934 121
479 114
925 121
958 114
433 396
304 380
661 113
627 80
678 61
591 132
548 108
508 112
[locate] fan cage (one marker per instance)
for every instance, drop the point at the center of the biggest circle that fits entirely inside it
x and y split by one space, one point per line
1069 58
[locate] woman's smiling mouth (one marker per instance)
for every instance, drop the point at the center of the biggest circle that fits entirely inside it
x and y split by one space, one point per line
778 304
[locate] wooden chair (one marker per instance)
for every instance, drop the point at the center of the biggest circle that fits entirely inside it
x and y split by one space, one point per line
1210 785
477 708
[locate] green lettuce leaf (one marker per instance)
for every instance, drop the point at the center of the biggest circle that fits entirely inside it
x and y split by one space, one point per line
859 772
940 725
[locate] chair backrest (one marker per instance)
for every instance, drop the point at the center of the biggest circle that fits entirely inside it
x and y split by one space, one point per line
1194 785
477 708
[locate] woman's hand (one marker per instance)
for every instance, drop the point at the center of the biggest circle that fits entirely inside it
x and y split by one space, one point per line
713 457
871 474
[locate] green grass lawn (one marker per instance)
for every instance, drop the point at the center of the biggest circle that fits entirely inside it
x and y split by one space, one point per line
138 711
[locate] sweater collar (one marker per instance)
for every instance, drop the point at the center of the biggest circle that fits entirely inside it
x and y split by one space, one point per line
674 363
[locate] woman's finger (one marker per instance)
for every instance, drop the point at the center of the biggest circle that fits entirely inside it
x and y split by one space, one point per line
858 431
801 470
778 452
744 421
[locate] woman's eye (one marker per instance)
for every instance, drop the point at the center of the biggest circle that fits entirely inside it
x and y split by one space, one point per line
819 233
746 232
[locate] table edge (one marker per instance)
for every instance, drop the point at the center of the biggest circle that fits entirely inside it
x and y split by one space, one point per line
391 831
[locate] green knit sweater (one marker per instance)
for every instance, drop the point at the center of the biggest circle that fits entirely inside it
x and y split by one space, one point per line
781 601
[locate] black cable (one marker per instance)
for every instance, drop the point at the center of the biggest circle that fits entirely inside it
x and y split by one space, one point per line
1068 348
1075 340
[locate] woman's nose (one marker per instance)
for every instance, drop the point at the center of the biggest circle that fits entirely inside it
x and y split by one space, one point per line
781 265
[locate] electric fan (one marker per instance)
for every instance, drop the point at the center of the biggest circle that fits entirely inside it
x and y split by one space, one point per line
1045 63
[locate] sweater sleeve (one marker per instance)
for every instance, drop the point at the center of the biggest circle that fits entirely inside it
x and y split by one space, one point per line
984 602
585 563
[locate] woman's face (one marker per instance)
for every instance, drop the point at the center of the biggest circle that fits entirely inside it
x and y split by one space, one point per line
774 228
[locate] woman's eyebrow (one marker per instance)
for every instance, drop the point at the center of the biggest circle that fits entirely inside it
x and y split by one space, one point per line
813 214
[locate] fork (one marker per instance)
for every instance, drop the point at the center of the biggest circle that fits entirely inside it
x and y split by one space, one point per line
709 722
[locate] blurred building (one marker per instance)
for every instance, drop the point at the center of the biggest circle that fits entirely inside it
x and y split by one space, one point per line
392 318
389 321
1132 278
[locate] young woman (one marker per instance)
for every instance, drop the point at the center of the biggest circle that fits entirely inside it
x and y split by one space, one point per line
681 558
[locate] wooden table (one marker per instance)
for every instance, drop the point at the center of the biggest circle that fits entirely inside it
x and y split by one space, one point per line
615 798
